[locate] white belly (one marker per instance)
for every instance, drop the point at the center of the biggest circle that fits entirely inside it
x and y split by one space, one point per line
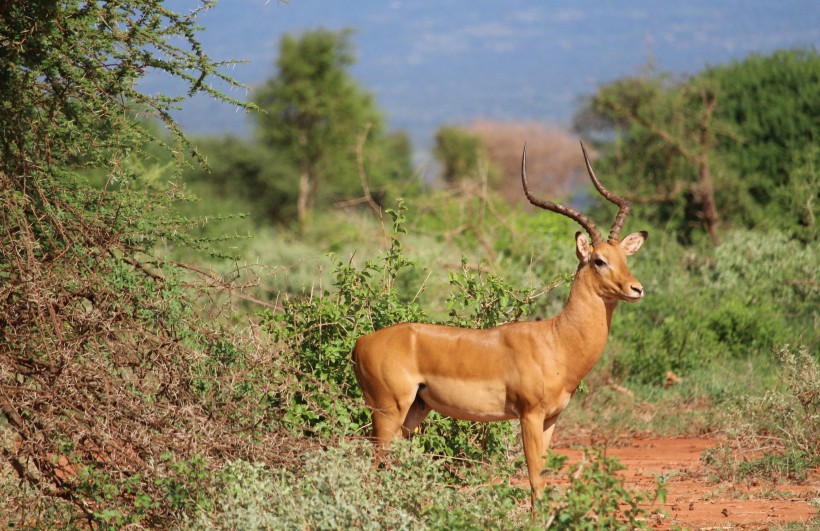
475 400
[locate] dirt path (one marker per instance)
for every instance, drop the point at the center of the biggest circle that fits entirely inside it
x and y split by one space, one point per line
694 502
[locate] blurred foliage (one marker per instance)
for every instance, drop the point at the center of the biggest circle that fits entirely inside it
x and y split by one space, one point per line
783 425
732 146
555 167
752 293
771 103
247 172
667 133
488 154
460 154
324 128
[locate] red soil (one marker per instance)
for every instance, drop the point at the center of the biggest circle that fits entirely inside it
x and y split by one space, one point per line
695 502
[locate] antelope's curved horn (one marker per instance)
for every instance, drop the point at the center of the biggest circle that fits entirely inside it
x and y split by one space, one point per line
564 210
623 204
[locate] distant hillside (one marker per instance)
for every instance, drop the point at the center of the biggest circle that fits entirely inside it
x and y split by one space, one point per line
450 61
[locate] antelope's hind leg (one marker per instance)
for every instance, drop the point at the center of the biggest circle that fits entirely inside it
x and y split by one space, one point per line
415 415
397 418
396 415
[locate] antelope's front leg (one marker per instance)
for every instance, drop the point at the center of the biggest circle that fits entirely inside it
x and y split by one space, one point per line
549 427
534 437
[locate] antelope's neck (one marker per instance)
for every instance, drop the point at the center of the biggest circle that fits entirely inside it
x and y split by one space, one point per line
583 327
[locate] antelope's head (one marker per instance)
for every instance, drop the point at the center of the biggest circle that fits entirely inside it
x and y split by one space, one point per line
606 260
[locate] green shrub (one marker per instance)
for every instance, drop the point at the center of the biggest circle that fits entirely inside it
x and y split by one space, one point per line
338 488
320 329
484 302
596 497
741 299
740 328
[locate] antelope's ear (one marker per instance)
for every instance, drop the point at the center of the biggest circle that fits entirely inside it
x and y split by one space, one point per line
633 242
582 247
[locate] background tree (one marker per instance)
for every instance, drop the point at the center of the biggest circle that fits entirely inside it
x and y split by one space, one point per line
319 120
491 150
460 154
246 171
735 143
772 102
666 134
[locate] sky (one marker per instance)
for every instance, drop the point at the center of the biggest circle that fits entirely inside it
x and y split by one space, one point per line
452 61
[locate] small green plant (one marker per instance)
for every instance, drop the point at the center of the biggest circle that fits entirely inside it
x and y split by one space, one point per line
183 486
596 497
484 301
472 441
110 493
180 488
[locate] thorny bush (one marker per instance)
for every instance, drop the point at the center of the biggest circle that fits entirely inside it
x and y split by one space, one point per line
110 386
114 397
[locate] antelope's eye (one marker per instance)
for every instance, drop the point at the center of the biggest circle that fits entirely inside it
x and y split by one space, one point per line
599 262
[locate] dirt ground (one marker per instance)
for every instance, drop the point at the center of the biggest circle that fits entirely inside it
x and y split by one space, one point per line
695 502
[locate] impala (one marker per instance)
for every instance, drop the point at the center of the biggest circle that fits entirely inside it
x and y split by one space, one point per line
523 370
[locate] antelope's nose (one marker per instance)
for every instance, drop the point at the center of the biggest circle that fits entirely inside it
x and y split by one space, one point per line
637 290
